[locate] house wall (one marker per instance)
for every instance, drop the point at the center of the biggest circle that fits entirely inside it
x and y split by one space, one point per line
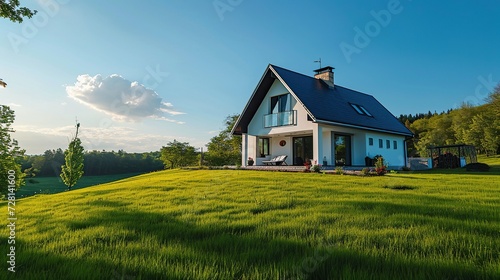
275 150
327 148
252 147
256 126
360 145
394 157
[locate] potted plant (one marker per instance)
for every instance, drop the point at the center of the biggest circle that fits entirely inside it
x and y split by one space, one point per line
250 161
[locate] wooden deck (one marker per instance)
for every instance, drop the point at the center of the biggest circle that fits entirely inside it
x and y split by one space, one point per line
291 168
285 168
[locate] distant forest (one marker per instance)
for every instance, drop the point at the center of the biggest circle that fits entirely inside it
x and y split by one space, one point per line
95 163
472 125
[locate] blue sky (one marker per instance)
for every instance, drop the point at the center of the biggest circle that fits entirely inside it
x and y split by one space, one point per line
175 69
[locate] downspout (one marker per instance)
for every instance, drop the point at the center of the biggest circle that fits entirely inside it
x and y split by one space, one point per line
406 150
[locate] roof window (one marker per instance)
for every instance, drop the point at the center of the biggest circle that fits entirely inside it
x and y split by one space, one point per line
361 110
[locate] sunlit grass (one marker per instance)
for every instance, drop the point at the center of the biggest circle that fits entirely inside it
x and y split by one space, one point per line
223 224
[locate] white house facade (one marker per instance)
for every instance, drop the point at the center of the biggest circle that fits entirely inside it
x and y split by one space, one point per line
312 119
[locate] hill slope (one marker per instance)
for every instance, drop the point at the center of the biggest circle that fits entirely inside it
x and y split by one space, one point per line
263 225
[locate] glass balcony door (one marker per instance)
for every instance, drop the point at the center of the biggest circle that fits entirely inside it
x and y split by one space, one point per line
302 149
342 150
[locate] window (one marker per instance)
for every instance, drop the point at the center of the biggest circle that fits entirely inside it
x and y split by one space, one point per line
361 110
280 112
395 145
380 143
281 103
370 141
365 111
264 147
388 144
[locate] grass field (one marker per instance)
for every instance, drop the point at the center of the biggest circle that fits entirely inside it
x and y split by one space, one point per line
50 185
235 224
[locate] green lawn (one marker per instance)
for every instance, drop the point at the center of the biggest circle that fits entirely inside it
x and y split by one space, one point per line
48 185
235 224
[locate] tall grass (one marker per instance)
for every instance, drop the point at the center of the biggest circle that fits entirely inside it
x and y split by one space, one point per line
223 224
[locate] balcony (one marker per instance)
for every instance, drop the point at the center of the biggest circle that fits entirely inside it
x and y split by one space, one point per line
280 119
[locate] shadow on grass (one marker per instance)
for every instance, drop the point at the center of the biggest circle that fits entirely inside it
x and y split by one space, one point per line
225 251
444 217
42 265
494 171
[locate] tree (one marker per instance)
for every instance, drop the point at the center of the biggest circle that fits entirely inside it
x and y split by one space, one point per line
13 12
178 154
225 148
10 153
72 171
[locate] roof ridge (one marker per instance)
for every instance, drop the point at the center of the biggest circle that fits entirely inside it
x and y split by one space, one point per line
357 91
291 71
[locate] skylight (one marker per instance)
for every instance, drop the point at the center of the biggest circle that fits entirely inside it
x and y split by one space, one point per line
361 110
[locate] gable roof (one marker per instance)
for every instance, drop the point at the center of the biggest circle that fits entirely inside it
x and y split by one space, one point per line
322 103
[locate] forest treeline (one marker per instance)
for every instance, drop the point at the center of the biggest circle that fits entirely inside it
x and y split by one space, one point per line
95 163
471 125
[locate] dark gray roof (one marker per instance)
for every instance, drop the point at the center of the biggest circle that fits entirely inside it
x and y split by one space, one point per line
323 104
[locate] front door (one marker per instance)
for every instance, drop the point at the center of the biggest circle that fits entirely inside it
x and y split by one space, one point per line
302 149
342 150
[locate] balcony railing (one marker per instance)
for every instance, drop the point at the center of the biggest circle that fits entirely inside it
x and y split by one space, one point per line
280 119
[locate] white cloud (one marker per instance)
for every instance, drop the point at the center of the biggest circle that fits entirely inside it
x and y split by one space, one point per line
121 98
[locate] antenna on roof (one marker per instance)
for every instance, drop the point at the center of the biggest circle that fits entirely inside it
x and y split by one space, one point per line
316 61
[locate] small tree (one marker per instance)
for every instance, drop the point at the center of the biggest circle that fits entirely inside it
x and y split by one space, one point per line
225 148
72 171
178 154
10 153
380 166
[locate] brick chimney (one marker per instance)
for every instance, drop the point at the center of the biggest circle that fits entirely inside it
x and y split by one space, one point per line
325 74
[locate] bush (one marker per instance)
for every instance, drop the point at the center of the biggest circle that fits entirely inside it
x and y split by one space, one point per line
365 171
339 170
380 166
315 168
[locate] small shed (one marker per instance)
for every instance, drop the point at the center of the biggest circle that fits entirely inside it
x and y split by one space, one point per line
452 156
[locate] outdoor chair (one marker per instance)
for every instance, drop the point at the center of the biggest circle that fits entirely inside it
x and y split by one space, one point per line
277 160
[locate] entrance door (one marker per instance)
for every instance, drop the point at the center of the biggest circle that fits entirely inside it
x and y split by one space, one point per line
342 150
302 149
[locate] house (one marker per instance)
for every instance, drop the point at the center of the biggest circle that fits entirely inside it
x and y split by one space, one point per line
312 118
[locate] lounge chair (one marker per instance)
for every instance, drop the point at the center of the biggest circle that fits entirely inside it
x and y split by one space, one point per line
277 160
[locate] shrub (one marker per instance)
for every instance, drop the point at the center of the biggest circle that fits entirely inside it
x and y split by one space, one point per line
339 170
365 171
380 166
315 168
